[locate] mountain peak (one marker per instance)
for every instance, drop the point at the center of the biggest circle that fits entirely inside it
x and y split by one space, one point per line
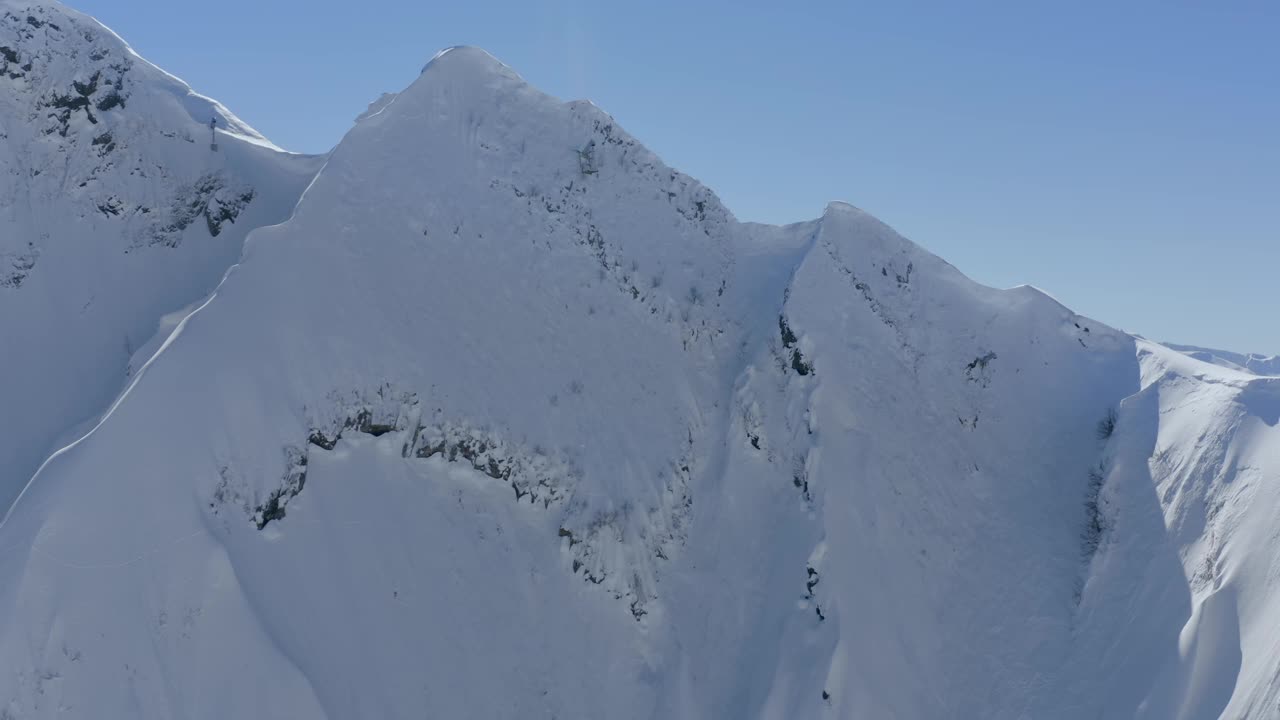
504 416
74 72
117 199
467 59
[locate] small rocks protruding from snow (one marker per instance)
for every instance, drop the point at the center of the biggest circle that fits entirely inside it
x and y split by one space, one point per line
213 198
603 549
979 369
15 266
295 478
114 213
790 342
591 416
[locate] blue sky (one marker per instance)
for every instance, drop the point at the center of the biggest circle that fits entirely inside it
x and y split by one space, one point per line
1125 157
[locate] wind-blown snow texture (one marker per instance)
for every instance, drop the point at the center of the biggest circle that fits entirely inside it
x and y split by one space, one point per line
508 419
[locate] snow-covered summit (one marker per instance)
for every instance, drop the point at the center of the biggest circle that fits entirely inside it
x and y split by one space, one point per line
467 59
115 210
59 43
507 418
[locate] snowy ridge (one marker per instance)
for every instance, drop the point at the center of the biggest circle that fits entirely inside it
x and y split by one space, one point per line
509 419
114 212
1251 362
1202 440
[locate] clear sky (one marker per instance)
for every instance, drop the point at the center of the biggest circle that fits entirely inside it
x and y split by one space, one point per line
1123 156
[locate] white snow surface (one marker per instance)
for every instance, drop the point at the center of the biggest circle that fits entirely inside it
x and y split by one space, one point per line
507 419
110 198
1254 363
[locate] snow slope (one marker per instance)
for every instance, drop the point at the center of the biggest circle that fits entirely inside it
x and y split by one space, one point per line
1191 496
113 212
509 419
1251 362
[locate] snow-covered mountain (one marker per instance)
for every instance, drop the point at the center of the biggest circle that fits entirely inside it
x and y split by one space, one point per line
1252 363
114 213
509 419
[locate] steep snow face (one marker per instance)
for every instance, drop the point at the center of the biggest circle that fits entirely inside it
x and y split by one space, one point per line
949 434
1185 578
462 305
511 420
114 210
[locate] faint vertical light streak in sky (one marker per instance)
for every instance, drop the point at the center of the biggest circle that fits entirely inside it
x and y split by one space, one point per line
572 39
